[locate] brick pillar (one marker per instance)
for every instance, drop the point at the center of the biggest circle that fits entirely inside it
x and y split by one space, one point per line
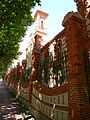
34 72
23 69
18 71
77 87
88 54
81 7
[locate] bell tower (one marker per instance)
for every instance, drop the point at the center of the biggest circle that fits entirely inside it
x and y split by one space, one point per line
40 28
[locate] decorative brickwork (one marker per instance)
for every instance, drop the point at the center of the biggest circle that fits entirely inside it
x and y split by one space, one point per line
81 7
77 88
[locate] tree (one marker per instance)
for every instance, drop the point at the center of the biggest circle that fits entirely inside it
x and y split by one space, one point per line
15 16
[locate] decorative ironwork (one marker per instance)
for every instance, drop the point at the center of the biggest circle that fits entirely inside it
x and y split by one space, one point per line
53 64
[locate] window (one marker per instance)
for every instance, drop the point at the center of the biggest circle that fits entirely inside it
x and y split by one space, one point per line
42 23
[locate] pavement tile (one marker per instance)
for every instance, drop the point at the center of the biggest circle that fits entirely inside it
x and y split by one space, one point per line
9 106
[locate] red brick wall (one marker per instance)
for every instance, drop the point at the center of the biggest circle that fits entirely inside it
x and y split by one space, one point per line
77 87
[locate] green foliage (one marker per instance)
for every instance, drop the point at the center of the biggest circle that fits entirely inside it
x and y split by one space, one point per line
15 16
55 68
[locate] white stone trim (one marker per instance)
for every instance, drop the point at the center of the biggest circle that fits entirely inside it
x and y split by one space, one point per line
61 100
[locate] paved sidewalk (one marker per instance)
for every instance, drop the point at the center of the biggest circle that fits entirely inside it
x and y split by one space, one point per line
10 108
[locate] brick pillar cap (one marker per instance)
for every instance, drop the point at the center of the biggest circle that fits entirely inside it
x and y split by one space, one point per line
24 61
71 14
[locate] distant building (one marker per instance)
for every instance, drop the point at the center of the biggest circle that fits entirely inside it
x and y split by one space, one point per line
40 33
